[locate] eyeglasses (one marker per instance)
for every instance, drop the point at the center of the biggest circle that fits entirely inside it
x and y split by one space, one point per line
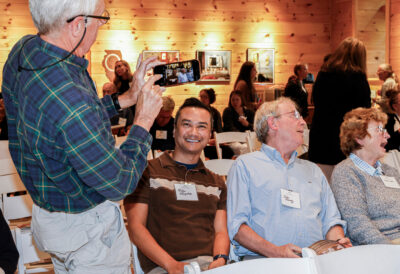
381 129
103 18
295 113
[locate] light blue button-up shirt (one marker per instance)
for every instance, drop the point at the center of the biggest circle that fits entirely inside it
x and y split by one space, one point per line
254 198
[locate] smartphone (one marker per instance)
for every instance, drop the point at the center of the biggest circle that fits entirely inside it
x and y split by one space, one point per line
178 73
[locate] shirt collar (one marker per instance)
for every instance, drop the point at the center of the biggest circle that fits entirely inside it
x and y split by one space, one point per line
364 166
53 51
274 154
167 161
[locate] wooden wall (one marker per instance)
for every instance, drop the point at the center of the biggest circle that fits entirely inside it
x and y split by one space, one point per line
298 30
342 21
394 38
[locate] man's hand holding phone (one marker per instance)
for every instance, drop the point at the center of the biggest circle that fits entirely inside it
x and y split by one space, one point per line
130 97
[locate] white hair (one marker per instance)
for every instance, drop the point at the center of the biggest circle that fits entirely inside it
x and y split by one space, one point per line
265 111
51 15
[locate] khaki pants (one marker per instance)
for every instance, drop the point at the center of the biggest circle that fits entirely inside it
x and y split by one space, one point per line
91 242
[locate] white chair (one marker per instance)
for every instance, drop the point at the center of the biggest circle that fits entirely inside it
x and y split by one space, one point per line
228 137
252 142
16 203
219 166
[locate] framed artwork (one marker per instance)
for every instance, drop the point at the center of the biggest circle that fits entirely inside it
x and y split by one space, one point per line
215 66
167 56
264 60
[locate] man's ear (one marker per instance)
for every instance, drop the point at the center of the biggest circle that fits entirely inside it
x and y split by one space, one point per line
173 133
272 123
77 26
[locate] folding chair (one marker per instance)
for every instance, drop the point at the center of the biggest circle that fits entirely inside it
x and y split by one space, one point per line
228 137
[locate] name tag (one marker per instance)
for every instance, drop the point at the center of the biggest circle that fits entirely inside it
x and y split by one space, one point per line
186 192
290 198
122 121
161 134
389 181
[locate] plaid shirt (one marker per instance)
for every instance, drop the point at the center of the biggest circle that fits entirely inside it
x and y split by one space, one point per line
60 133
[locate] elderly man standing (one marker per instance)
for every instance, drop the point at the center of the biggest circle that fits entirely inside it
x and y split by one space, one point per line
61 142
278 203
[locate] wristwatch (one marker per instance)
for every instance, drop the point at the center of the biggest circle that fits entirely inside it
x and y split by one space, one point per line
216 257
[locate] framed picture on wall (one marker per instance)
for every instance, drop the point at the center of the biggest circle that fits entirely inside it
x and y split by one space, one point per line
215 66
264 61
167 56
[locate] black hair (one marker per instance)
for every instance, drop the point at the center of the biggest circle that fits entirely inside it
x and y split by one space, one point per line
211 94
193 102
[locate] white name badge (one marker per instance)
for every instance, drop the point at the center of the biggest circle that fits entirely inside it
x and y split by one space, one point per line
290 198
389 181
161 134
186 192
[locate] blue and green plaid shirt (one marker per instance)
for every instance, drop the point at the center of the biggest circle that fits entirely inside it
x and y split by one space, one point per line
60 132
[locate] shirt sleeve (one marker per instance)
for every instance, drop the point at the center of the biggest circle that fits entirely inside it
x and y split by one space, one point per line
330 212
111 172
238 203
142 192
109 106
352 202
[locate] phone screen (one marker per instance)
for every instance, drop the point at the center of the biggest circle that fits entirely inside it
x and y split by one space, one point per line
178 73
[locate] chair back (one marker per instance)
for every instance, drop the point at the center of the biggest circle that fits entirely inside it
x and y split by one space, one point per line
392 158
219 166
252 142
228 137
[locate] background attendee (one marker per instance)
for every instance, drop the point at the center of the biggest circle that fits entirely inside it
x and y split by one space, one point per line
278 203
61 141
341 86
295 89
163 127
207 97
109 88
393 124
170 229
237 117
244 83
389 78
8 252
123 76
367 190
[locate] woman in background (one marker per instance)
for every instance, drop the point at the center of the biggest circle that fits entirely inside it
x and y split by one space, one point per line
295 89
207 97
367 191
341 86
244 83
123 76
236 116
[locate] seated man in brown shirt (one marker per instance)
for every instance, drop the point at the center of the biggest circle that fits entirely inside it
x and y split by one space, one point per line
177 214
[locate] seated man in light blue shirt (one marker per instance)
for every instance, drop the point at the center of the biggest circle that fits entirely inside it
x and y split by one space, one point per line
278 203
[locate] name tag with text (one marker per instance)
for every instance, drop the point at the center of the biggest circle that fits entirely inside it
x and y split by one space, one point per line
186 192
290 198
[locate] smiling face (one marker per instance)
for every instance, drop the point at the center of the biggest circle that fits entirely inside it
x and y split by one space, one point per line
192 131
373 146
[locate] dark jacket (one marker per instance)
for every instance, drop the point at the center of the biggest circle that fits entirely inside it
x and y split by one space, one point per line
334 94
294 91
8 252
394 140
231 120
